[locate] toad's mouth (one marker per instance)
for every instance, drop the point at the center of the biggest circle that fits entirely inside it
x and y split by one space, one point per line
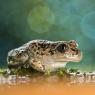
13 64
69 58
17 65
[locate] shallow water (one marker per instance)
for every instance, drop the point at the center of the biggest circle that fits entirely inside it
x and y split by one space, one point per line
42 85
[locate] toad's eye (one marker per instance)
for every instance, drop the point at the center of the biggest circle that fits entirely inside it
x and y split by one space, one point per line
61 47
21 54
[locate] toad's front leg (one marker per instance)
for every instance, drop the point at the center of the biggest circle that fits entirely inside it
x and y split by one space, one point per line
37 65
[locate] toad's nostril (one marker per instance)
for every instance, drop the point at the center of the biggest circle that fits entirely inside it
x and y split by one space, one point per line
75 50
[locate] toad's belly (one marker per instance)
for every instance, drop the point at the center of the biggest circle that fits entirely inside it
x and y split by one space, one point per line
56 65
51 64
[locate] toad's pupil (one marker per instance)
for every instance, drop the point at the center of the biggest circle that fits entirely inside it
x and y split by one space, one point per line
61 47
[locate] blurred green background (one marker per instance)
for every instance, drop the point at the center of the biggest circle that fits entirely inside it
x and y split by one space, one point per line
24 20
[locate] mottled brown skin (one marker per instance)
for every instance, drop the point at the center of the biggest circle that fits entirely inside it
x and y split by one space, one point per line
44 55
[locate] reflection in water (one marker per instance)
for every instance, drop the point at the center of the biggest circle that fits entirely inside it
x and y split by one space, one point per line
72 79
47 85
82 78
13 79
